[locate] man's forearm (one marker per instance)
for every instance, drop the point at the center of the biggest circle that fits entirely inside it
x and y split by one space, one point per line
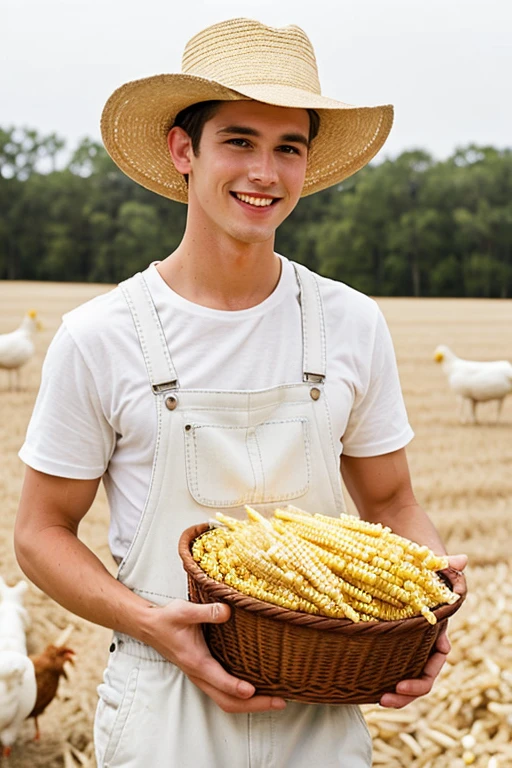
412 522
70 573
381 489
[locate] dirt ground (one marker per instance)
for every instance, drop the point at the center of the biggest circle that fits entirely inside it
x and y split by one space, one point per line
461 476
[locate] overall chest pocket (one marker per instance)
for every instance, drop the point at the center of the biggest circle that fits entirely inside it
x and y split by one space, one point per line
228 466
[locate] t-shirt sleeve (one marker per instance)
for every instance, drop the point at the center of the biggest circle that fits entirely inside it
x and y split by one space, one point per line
68 434
378 422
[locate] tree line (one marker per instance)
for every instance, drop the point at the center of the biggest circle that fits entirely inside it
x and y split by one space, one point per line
409 226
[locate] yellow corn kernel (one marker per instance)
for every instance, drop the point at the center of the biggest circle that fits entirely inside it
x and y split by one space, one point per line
383 611
304 559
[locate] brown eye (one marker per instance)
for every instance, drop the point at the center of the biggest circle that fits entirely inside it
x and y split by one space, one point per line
238 142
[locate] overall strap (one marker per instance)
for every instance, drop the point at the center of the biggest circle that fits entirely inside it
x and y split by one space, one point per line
157 357
313 326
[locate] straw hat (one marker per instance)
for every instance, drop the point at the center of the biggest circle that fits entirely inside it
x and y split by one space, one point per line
235 60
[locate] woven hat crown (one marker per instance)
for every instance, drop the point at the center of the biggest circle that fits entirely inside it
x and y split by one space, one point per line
246 52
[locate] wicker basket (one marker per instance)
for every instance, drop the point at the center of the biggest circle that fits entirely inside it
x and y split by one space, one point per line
311 658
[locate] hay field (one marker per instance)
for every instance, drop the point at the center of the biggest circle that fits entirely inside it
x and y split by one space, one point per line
461 475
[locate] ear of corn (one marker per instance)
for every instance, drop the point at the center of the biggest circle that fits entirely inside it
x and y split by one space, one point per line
339 567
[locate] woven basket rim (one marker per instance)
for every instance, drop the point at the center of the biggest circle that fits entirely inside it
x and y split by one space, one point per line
224 593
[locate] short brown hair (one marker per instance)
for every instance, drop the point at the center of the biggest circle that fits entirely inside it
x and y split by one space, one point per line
193 118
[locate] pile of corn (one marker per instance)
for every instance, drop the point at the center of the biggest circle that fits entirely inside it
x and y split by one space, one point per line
467 718
339 567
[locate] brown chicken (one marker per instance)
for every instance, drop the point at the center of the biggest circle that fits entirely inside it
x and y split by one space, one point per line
49 667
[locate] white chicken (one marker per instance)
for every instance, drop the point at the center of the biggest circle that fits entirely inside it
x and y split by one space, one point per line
18 688
475 382
18 692
17 347
14 618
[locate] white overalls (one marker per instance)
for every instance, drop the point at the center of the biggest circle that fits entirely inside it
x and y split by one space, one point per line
219 450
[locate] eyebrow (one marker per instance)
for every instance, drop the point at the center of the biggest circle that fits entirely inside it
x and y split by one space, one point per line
296 138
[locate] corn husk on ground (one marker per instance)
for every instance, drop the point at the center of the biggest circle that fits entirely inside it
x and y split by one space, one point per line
337 567
467 718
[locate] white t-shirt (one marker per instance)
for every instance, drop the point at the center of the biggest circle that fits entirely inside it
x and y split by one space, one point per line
95 414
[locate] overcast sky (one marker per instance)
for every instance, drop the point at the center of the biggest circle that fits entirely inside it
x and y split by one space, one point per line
446 65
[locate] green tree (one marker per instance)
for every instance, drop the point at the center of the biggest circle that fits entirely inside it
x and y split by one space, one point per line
408 226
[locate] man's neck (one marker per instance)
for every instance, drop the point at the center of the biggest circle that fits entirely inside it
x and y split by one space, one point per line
222 274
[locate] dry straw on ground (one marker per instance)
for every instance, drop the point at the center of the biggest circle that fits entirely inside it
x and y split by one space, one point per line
461 476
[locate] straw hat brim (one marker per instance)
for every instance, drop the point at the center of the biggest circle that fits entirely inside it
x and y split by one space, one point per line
138 116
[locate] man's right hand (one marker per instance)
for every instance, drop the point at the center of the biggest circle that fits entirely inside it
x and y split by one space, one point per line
47 546
176 633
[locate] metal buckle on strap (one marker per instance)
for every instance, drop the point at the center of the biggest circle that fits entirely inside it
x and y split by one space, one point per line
314 378
166 386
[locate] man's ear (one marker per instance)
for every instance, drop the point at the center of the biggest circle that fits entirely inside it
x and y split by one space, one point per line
180 147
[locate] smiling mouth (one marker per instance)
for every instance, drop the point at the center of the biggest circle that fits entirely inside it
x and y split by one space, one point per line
257 202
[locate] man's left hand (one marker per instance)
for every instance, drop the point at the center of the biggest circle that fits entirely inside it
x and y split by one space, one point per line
409 690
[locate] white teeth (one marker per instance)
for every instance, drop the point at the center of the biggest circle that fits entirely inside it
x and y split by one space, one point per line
258 201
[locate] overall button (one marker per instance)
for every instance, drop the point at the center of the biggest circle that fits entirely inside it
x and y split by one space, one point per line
171 402
315 393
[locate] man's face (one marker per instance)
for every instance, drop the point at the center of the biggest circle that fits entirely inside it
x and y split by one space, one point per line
250 169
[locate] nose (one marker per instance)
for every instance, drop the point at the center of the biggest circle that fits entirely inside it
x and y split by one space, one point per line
263 169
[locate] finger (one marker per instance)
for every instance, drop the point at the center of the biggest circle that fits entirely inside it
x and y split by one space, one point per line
214 675
423 685
408 690
431 670
458 562
232 704
443 644
395 701
196 613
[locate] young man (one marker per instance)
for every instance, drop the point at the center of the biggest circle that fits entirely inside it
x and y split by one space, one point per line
223 375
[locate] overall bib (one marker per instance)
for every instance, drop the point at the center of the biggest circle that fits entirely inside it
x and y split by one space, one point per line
217 451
